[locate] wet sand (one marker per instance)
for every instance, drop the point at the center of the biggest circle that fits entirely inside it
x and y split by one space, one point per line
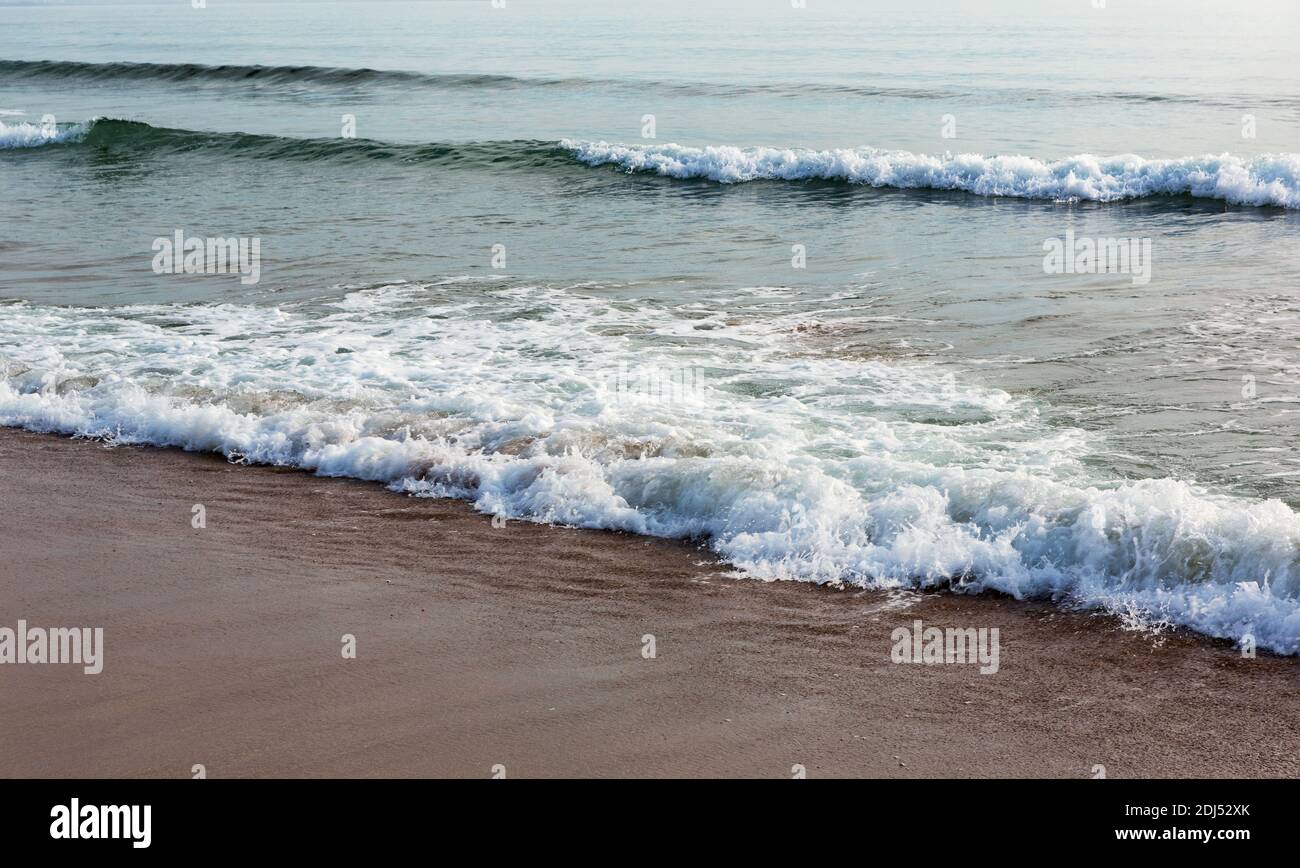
521 646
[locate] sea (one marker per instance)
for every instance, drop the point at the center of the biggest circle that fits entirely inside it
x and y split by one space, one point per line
994 297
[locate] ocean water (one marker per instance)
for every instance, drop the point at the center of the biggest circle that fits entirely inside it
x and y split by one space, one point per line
774 278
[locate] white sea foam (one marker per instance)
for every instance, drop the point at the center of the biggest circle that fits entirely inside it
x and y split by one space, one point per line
794 465
25 134
1272 179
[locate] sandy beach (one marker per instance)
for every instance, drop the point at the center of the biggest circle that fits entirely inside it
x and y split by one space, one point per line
521 646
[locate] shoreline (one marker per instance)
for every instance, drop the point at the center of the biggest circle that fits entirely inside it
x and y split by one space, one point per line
522 645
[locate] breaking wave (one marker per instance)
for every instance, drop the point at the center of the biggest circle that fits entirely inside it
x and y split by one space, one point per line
1266 180
1270 180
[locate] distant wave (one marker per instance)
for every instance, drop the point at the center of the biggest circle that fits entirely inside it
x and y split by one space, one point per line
332 76
1273 179
249 74
363 76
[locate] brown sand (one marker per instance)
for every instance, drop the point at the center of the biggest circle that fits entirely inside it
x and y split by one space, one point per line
522 646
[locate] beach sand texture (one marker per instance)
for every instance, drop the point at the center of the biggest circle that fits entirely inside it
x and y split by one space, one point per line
521 646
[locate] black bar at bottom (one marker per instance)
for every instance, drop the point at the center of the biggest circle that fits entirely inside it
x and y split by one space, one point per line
331 817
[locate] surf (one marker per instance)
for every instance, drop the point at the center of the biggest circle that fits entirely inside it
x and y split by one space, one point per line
788 466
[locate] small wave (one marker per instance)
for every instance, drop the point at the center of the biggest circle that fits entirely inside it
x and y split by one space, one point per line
1269 180
1272 179
138 137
